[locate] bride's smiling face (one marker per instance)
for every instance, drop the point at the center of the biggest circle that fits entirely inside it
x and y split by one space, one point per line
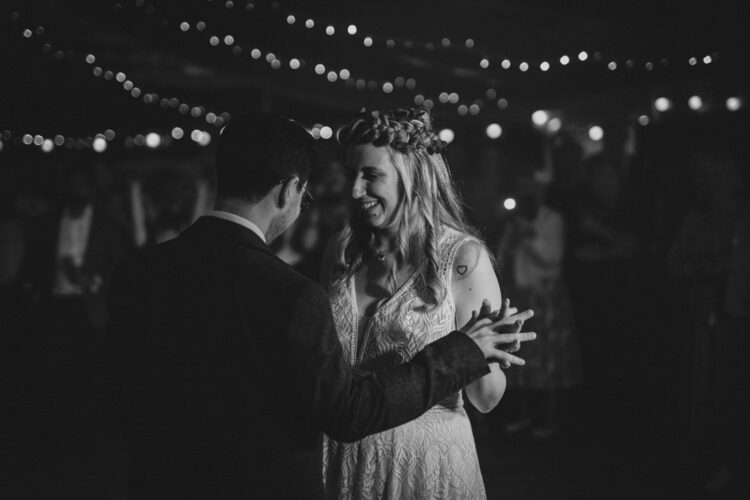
376 189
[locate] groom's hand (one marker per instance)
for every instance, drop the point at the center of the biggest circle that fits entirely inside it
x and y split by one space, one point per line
483 328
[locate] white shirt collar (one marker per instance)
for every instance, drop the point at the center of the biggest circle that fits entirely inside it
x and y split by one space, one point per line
228 216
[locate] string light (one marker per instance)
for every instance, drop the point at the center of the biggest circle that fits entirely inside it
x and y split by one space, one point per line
494 131
662 104
326 132
644 120
733 103
99 145
446 135
509 204
540 117
596 133
153 140
695 102
554 124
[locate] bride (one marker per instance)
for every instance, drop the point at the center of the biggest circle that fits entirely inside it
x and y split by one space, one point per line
406 270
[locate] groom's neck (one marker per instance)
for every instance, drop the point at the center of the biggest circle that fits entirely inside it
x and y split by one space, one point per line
257 213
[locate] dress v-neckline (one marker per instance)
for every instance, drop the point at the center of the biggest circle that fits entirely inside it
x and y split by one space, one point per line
356 348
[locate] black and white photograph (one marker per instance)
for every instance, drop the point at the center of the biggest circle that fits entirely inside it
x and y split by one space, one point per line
374 250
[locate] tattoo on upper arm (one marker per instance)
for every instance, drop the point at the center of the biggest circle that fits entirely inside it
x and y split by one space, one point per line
466 261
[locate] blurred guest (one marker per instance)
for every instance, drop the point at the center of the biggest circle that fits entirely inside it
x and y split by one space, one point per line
167 204
70 253
300 246
12 251
601 252
12 243
567 160
700 260
531 250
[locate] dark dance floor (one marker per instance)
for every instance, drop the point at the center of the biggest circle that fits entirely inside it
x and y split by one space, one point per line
595 456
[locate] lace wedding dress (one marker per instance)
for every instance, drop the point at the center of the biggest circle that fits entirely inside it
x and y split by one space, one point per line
432 457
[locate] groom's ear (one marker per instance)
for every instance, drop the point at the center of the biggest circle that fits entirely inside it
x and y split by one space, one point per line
286 192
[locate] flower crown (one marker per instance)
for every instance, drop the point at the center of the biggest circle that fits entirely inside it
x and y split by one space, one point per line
405 130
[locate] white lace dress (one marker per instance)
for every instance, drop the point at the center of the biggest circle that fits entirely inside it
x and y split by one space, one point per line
432 457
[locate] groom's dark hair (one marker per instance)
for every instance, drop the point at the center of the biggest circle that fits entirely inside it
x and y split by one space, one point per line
258 150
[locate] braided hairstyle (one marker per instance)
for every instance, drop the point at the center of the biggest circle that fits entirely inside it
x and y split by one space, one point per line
430 200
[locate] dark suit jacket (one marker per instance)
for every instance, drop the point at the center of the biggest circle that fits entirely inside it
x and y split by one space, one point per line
230 368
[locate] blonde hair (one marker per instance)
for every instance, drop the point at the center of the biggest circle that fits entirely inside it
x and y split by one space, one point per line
430 200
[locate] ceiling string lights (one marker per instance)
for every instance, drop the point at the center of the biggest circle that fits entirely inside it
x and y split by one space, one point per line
101 142
486 59
216 118
275 61
271 57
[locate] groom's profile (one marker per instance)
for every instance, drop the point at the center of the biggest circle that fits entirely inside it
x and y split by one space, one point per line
228 363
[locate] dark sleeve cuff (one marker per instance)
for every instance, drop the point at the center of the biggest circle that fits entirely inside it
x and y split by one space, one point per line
468 355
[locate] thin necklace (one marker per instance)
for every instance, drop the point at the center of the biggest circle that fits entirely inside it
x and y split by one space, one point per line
380 255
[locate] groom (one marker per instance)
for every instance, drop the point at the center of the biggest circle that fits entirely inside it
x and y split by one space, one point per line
229 366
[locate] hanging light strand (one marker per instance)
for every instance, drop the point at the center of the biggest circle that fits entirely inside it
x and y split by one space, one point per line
215 118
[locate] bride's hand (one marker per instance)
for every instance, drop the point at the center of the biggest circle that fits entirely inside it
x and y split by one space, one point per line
484 328
508 319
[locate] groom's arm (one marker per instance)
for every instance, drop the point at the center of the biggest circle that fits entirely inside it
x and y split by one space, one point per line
350 404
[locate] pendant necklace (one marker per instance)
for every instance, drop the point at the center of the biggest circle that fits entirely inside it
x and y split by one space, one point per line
381 256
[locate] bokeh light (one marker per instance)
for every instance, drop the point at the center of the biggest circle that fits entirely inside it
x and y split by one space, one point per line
447 135
494 131
596 133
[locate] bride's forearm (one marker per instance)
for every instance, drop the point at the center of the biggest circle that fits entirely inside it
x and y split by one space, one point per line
486 393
